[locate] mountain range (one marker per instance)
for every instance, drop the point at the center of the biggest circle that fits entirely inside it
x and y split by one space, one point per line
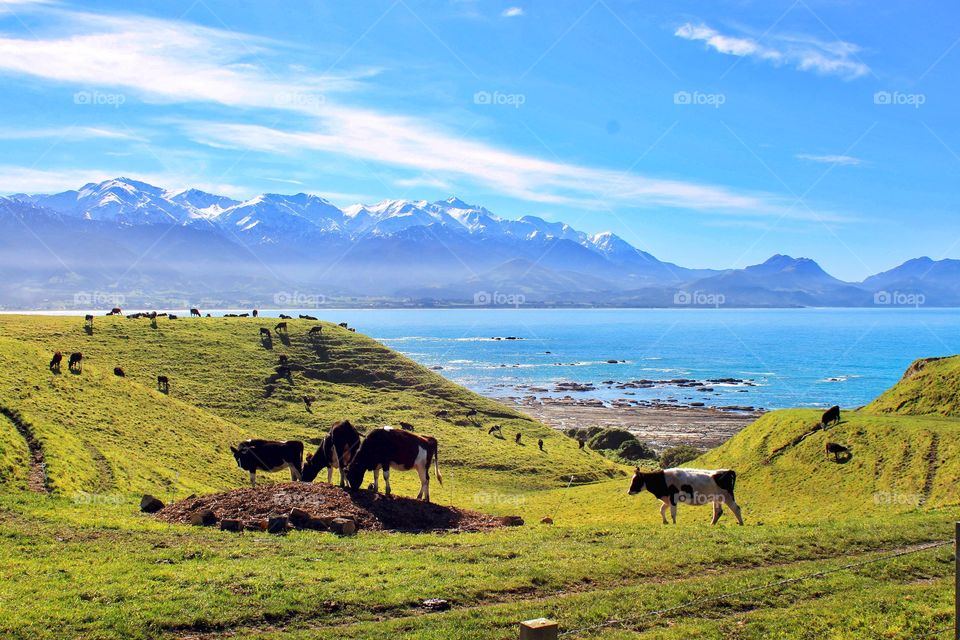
127 241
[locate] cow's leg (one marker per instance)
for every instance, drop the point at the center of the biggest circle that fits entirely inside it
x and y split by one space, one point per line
717 510
424 474
735 508
334 462
376 479
295 474
330 475
253 479
386 479
663 510
673 512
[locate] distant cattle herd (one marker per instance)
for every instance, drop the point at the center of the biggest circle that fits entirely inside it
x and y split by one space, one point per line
385 448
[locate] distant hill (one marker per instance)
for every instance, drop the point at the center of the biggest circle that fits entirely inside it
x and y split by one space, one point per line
149 247
931 386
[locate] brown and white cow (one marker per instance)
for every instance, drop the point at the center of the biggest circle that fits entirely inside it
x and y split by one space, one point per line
689 486
336 450
269 455
389 448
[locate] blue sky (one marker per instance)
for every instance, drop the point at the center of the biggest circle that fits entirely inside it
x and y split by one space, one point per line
710 134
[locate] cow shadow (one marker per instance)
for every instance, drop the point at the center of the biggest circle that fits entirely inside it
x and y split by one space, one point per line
87 329
284 338
843 458
399 513
266 342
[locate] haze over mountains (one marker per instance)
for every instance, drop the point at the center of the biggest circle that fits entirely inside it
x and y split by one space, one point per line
127 241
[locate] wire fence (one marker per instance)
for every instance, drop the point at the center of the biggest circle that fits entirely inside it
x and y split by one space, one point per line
633 620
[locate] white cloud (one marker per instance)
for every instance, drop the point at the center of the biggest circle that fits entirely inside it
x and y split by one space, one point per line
169 61
830 159
803 52
68 133
512 12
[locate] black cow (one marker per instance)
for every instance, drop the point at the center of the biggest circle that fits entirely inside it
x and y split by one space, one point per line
471 413
303 317
836 450
540 444
337 450
55 361
519 436
392 449
76 361
256 313
283 316
163 384
195 312
118 371
406 426
830 416
316 329
308 402
281 326
269 455
171 317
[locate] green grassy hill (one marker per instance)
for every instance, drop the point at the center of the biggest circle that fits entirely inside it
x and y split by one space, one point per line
931 386
102 432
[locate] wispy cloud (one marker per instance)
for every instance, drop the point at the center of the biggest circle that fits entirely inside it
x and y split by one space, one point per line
68 133
170 61
803 52
830 159
512 12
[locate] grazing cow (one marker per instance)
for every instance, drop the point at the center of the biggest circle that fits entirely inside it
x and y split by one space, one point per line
836 450
495 429
281 326
269 455
171 317
285 317
283 359
116 311
391 449
308 402
471 413
540 444
243 315
351 330
443 413
337 450
342 324
163 384
118 371
830 416
303 317
76 361
689 486
316 329
55 361
580 443
89 320
517 439
265 333
195 312
406 426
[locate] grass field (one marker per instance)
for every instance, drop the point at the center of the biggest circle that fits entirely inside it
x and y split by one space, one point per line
82 562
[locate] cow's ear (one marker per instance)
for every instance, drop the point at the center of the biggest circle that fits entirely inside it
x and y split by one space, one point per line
235 452
309 457
637 470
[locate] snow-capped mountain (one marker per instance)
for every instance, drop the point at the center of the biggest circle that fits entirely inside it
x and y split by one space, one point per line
124 234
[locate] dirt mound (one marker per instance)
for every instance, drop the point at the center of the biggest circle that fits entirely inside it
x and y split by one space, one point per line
370 511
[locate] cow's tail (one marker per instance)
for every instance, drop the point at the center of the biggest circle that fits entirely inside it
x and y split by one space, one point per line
436 462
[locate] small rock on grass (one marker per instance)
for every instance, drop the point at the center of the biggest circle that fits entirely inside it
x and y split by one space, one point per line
203 518
436 604
150 504
277 525
231 524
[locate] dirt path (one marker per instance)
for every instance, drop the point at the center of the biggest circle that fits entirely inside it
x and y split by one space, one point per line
523 597
933 455
37 478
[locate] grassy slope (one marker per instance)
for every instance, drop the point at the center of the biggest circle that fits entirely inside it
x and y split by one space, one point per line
102 570
224 388
930 386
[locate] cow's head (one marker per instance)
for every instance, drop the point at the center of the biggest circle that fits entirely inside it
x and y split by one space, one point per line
355 473
636 484
315 462
240 454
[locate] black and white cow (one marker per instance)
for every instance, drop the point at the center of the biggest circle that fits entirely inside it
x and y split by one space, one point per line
336 450
389 448
269 455
689 486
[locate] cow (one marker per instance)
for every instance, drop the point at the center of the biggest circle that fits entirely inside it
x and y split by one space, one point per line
406 426
195 313
118 371
519 436
443 413
281 326
55 361
269 455
283 360
243 315
540 444
689 486
89 320
830 416
163 384
171 317
836 450
265 333
116 311
255 313
317 329
303 317
308 402
336 450
392 449
342 324
351 330
495 429
471 413
285 317
76 361
580 444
